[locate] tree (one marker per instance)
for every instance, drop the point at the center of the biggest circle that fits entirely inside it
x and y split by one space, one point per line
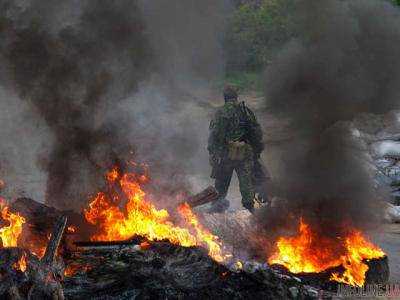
255 32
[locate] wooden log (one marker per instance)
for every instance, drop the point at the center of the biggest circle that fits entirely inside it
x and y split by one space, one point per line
54 243
41 218
208 195
46 278
102 244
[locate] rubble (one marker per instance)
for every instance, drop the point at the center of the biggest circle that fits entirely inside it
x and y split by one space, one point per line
24 276
152 270
392 213
166 271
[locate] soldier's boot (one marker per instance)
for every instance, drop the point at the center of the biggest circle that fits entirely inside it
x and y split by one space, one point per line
219 206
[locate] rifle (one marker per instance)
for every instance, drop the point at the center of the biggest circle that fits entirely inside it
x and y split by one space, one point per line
216 166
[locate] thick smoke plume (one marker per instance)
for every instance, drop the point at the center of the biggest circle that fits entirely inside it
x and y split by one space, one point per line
105 78
69 74
343 61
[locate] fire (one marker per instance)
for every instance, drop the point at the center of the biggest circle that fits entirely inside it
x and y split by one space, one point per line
144 245
113 175
203 236
72 269
20 265
71 229
9 234
309 252
358 250
36 248
118 221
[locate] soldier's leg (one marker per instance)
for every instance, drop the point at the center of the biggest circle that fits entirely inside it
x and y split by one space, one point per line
244 171
222 182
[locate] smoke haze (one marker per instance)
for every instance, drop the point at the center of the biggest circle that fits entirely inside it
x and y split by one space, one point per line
342 62
109 79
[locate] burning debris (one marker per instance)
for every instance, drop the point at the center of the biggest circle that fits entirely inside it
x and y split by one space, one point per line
321 81
137 249
127 244
125 212
311 252
155 258
165 270
25 276
10 232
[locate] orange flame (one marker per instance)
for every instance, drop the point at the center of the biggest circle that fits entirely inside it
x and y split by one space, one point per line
71 229
36 247
141 218
112 175
72 269
144 245
203 236
309 252
9 234
20 265
358 250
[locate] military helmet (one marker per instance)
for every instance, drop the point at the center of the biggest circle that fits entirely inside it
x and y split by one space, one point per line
230 92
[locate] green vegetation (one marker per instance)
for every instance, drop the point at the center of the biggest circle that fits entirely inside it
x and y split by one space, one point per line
244 80
254 35
256 32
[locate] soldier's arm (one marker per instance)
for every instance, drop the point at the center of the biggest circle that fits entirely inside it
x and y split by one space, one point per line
217 136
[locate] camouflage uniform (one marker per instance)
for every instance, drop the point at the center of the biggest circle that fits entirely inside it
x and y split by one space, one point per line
234 122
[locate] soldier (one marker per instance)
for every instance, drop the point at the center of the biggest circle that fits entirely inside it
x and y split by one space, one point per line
234 144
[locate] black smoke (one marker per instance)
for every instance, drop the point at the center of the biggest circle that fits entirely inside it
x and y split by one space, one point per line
111 79
343 61
72 74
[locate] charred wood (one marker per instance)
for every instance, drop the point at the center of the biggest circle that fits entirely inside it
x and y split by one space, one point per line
208 195
46 278
54 243
378 273
166 271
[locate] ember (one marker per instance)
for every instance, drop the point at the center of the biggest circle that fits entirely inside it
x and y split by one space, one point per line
37 247
309 252
71 229
145 245
9 234
140 217
20 265
72 269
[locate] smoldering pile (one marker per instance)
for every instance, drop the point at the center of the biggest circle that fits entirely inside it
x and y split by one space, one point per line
124 269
